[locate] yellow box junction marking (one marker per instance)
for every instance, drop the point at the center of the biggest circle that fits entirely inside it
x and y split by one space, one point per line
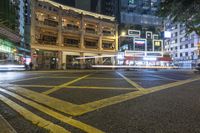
65 119
63 85
134 84
76 110
79 87
124 97
35 119
100 88
60 105
37 86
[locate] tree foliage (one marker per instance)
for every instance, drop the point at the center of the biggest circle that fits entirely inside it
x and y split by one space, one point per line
182 11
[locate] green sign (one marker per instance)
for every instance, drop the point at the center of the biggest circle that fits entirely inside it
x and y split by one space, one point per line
5 46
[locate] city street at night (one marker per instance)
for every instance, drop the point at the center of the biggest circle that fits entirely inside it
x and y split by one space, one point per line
113 101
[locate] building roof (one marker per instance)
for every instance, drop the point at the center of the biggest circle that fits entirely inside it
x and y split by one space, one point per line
79 10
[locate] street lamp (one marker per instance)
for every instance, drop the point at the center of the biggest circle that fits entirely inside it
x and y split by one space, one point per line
123 33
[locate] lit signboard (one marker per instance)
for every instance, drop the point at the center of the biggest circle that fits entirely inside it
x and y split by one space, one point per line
154 54
150 58
157 43
140 42
134 54
149 35
135 33
5 46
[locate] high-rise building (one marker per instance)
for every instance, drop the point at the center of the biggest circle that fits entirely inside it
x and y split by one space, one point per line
139 14
140 39
182 47
12 32
105 7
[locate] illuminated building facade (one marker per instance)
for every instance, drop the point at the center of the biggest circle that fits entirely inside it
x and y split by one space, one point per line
141 49
182 47
62 34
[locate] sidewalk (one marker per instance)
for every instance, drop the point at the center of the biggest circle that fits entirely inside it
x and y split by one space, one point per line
5 127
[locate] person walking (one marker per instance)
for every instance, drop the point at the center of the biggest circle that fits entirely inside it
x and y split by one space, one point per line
31 65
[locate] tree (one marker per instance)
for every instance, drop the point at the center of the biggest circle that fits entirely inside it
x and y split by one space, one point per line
182 11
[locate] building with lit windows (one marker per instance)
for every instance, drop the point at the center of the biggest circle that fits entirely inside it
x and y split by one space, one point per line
142 50
66 37
182 47
13 47
140 40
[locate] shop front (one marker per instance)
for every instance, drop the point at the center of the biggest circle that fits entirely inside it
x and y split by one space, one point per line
43 59
7 55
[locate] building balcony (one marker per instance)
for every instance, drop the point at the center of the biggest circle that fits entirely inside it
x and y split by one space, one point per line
108 33
72 45
46 25
71 29
43 42
91 45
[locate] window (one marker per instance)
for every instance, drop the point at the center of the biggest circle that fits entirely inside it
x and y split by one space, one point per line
186 45
106 32
107 45
192 45
71 42
174 41
90 30
55 10
181 47
39 5
181 54
49 39
90 44
186 53
131 2
72 27
176 48
50 23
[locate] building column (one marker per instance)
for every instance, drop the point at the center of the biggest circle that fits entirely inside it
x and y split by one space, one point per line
82 33
60 38
100 37
82 61
117 38
60 61
100 60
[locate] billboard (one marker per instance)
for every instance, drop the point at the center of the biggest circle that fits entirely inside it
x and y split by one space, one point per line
140 44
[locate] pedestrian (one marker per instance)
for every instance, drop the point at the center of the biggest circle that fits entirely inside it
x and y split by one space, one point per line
31 65
26 66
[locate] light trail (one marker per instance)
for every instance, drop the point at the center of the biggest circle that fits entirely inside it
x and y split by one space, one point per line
93 57
141 67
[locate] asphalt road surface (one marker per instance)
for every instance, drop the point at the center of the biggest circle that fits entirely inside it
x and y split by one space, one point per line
111 101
